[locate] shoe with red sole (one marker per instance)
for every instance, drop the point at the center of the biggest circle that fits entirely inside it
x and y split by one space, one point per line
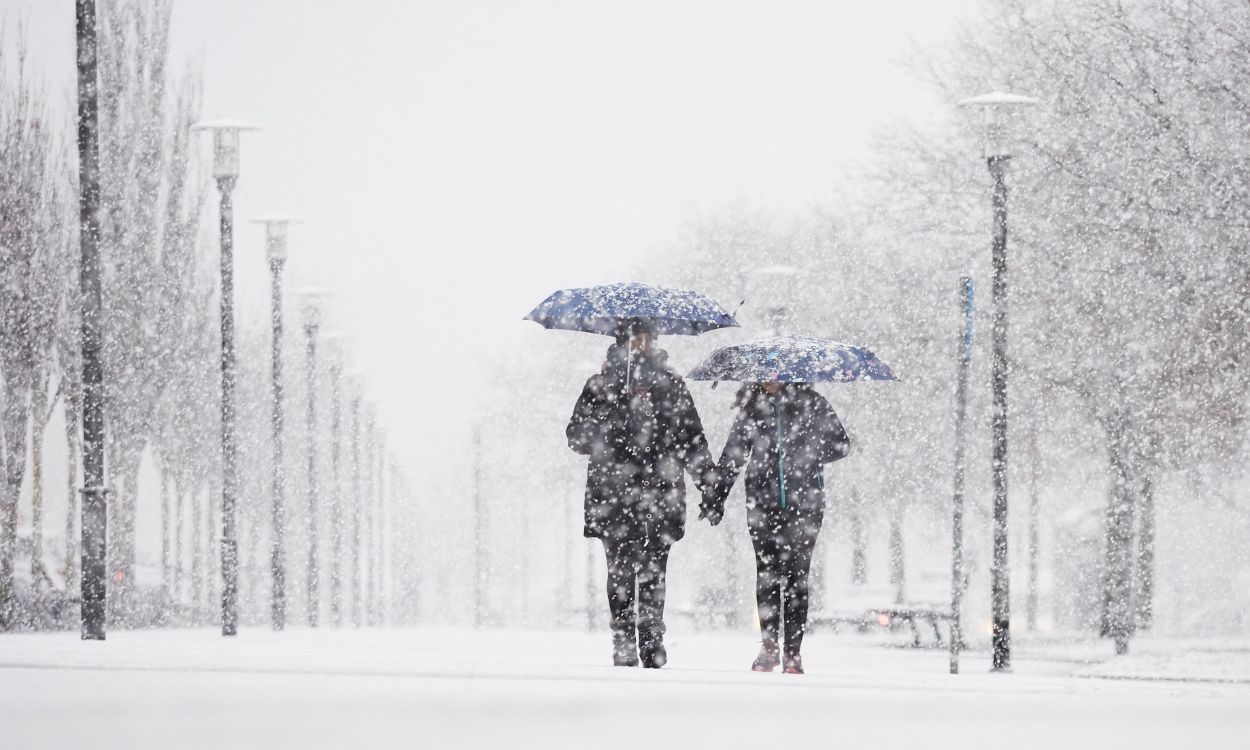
794 665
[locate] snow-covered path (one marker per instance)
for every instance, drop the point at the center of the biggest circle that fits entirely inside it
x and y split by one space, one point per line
443 689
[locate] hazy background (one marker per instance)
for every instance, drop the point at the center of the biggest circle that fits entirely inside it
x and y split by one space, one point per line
458 161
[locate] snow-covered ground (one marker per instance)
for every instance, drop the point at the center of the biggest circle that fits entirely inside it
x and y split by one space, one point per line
448 689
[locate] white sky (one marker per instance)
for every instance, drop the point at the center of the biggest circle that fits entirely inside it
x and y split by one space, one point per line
457 161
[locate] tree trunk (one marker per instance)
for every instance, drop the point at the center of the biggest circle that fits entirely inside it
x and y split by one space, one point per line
71 494
166 488
897 570
859 540
16 410
197 556
1117 611
180 508
1034 551
1144 611
38 421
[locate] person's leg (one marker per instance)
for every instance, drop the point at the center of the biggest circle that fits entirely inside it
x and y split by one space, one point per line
622 575
801 533
767 588
651 591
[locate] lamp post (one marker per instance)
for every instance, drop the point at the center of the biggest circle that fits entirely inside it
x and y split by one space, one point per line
310 301
370 493
276 231
354 556
337 344
996 109
94 497
226 172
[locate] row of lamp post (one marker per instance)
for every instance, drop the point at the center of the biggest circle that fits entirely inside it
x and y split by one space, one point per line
226 134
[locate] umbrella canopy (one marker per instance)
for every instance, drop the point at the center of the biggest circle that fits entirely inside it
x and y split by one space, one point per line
606 309
792 359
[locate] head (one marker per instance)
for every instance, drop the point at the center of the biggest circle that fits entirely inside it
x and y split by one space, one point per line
772 388
642 342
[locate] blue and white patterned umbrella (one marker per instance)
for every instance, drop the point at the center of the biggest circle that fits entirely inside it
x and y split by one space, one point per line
792 359
605 309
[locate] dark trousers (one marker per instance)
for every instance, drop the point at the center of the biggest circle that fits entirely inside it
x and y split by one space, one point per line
636 569
783 542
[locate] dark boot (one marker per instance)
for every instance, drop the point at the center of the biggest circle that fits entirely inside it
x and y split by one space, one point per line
768 659
624 652
654 655
794 664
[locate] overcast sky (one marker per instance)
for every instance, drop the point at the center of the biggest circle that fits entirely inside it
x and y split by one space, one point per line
457 161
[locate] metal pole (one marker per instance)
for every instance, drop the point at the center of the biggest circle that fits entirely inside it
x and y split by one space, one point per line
310 447
94 502
277 541
230 473
1030 600
336 506
957 506
355 550
478 530
1000 594
370 489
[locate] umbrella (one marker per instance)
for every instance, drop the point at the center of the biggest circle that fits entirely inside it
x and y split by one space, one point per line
792 359
606 309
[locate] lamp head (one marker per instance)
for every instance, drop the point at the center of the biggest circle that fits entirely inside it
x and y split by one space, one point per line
225 143
997 110
311 302
276 229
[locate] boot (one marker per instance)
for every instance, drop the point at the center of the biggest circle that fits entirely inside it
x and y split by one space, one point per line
654 655
794 664
768 659
624 652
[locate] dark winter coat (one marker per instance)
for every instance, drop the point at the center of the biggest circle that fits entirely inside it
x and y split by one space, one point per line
783 441
639 447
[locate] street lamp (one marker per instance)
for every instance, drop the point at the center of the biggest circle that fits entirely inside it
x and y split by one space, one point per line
311 302
337 345
997 109
353 387
276 230
226 171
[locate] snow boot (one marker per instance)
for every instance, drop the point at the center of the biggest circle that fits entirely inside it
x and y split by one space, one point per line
624 652
768 659
794 664
654 655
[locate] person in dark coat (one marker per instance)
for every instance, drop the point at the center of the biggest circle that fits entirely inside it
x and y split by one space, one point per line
637 423
783 435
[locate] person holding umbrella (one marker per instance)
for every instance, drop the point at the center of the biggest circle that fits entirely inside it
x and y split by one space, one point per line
783 435
636 422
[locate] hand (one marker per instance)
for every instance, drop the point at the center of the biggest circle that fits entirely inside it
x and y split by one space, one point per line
712 508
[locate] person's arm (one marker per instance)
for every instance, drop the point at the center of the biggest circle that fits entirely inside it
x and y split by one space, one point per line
584 432
691 439
736 453
831 439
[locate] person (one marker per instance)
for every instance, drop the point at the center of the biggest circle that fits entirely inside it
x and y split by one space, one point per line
637 423
783 434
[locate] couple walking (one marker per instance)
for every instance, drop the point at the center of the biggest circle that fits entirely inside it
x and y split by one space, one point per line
637 423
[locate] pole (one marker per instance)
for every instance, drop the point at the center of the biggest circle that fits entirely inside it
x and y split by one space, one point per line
479 568
355 550
1034 550
310 447
94 498
370 492
277 540
229 465
336 506
957 506
1000 595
